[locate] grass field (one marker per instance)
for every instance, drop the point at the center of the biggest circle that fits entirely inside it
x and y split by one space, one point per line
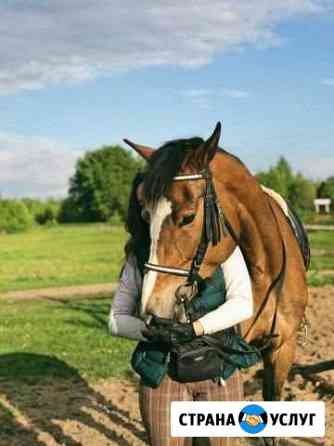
322 259
69 338
61 256
89 254
46 338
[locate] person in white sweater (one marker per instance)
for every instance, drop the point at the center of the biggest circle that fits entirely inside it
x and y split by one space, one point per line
124 321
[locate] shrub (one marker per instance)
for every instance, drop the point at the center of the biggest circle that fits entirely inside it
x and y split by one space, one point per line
50 214
43 212
14 216
68 212
115 220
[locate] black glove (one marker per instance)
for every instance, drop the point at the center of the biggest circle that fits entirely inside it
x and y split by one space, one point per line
169 332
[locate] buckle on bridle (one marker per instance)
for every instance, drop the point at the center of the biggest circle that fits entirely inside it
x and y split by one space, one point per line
185 292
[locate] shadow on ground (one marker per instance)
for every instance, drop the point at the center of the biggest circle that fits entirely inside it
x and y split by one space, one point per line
98 311
41 395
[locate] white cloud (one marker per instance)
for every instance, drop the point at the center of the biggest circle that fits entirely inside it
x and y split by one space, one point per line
200 97
198 93
203 97
34 166
328 82
235 94
44 42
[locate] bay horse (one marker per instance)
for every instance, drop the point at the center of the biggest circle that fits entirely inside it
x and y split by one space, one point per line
173 197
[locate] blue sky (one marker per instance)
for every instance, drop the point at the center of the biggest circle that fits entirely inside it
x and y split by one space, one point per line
78 74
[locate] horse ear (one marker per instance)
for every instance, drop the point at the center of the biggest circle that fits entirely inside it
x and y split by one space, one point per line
144 151
207 151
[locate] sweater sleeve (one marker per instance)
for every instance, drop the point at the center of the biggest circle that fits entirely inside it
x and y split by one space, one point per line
123 320
239 297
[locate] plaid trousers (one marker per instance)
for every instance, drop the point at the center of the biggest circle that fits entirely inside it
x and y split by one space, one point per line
155 407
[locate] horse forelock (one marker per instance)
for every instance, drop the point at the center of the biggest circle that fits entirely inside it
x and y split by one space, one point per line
165 164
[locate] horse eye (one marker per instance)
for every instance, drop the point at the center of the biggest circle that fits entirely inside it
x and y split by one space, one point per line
187 219
145 215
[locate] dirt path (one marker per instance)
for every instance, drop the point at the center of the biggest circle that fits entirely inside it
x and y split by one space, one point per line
70 412
319 227
98 290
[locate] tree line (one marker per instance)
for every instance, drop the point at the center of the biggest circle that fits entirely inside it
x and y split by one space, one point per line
99 192
298 190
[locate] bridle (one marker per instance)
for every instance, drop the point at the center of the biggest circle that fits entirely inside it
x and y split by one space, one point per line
213 228
215 225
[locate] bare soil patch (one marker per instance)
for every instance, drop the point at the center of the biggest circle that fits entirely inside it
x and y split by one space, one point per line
71 412
98 290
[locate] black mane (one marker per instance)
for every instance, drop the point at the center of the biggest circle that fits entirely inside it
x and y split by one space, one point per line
164 164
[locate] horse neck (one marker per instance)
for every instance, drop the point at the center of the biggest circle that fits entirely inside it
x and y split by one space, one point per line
248 210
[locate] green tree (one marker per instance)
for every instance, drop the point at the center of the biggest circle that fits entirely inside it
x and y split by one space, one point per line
35 207
279 178
101 184
302 193
50 213
295 188
326 190
14 216
43 212
69 212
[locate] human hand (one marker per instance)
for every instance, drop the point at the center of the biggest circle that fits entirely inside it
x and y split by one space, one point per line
169 332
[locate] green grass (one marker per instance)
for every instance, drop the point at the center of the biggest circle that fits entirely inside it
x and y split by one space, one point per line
60 256
322 240
313 218
67 255
322 257
54 338
322 250
317 280
59 338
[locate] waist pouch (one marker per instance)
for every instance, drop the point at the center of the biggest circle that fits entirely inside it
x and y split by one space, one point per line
195 361
209 357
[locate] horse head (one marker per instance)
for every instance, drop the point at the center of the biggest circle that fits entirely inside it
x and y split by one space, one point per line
173 195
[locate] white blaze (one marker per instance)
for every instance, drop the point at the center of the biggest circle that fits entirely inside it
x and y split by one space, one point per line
158 215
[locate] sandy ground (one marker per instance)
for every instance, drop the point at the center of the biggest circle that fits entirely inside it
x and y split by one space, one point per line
70 412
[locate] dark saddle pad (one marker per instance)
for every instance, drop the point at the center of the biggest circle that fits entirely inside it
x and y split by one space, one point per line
301 235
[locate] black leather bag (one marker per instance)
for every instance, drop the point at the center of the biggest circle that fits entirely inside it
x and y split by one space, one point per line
198 360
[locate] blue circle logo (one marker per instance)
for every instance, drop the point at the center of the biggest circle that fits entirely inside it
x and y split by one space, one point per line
253 419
